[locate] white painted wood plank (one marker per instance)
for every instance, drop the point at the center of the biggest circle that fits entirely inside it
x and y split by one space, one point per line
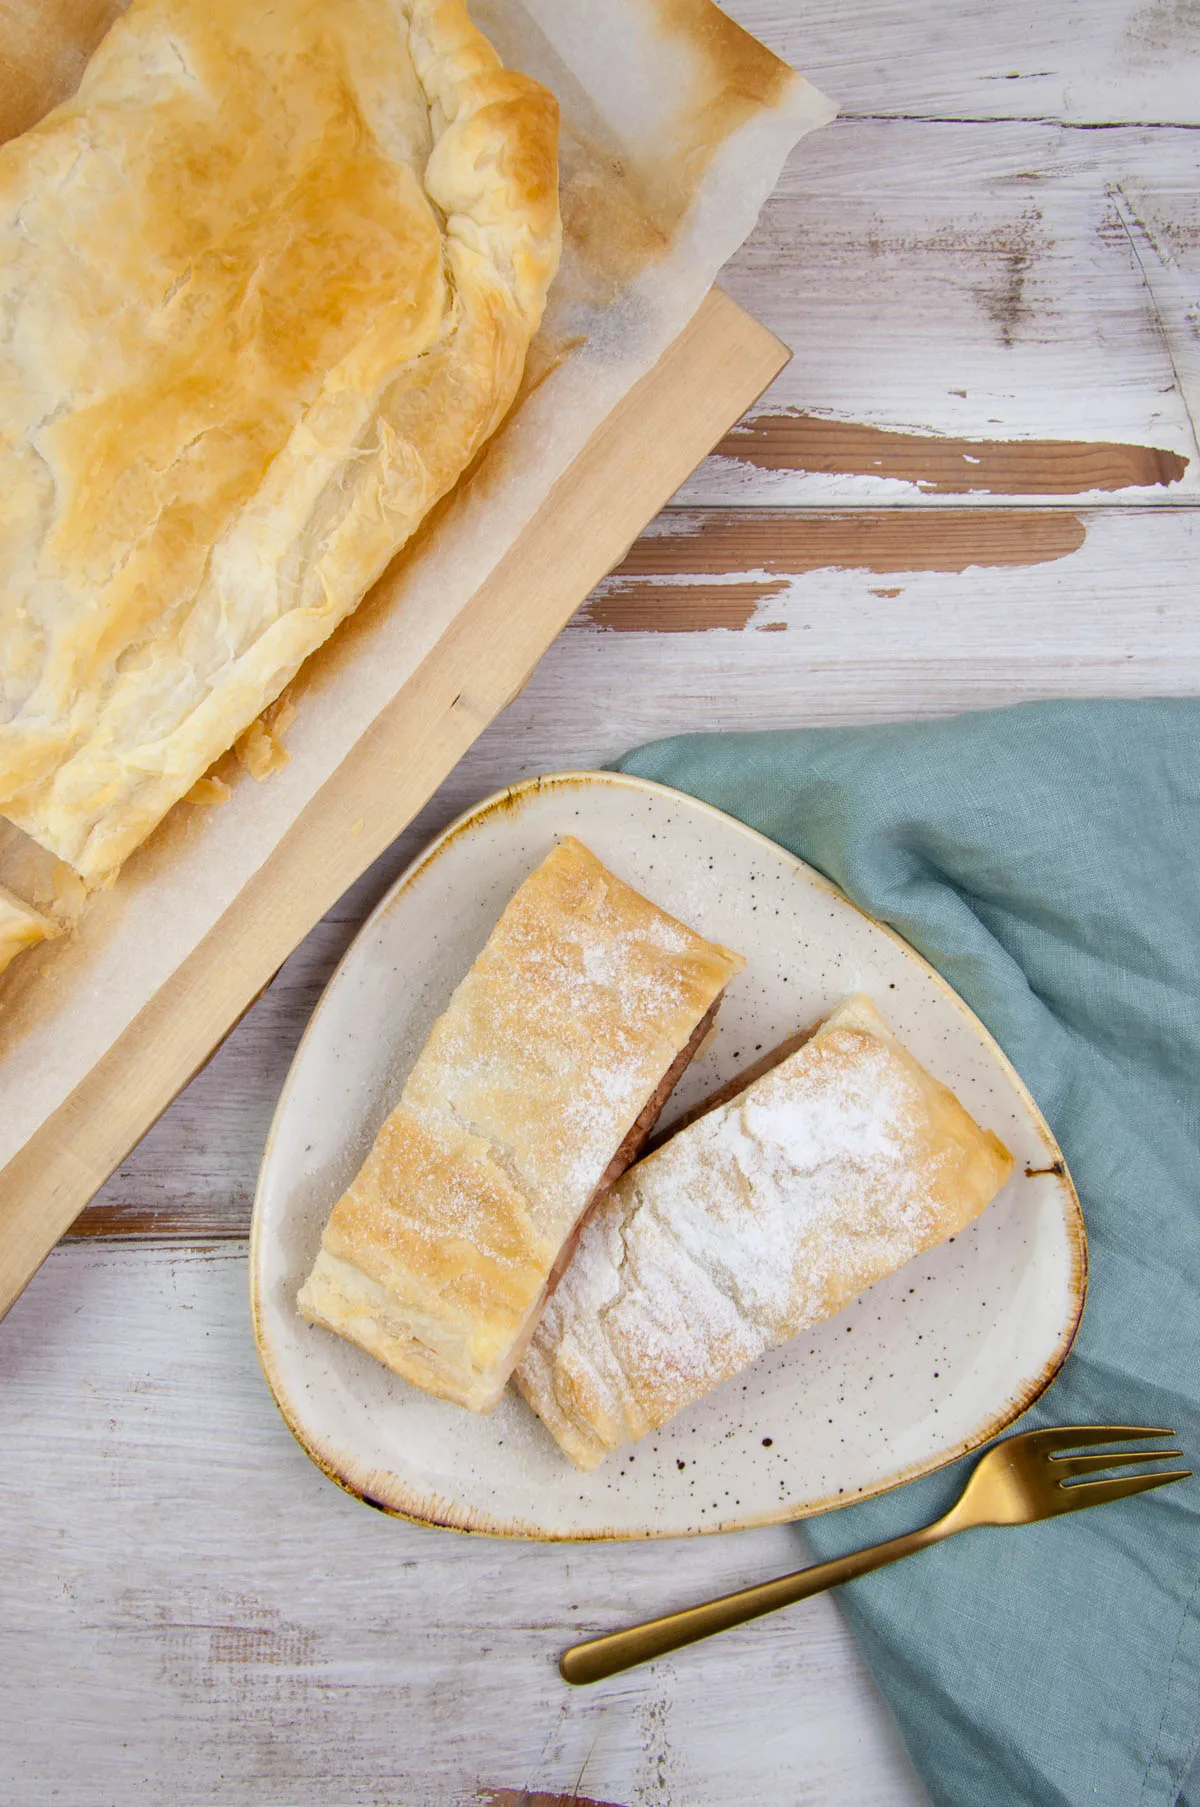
1117 618
1108 61
985 281
192 1613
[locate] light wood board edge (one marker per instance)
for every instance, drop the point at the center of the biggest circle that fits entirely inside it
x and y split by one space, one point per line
633 464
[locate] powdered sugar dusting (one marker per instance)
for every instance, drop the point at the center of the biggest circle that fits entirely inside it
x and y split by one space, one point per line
528 1086
755 1222
557 1036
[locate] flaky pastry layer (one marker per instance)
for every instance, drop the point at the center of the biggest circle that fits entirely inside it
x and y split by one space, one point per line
266 287
21 926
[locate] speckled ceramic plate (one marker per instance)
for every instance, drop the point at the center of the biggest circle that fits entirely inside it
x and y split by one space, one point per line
922 1368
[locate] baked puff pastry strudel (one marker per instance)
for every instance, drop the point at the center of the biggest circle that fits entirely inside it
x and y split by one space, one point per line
267 283
757 1219
536 1088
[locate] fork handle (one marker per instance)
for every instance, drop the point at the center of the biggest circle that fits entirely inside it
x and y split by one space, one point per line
609 1655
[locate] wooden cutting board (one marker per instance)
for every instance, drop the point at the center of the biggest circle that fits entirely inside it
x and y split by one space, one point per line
633 464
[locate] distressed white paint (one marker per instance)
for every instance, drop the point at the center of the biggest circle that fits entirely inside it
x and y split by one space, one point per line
1104 62
1009 206
1004 281
192 1614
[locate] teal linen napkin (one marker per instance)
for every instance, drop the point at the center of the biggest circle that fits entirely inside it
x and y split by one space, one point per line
1046 859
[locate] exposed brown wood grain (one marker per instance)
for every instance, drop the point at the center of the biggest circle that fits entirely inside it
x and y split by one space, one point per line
521 1797
198 1220
677 582
686 608
941 466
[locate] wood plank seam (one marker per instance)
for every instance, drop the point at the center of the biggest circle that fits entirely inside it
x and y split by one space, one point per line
998 119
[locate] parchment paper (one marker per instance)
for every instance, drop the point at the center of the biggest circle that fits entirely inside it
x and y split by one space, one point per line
676 124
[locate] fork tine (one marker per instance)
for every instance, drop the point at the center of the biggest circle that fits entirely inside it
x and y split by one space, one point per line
1067 1465
1078 1436
1095 1493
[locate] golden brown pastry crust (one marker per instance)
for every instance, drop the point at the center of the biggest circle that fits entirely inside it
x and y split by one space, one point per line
21 927
268 280
437 1256
759 1219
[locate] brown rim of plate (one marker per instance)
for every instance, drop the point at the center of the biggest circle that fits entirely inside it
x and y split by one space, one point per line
441 1514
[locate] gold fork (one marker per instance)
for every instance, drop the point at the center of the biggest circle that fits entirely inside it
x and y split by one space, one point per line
1017 1482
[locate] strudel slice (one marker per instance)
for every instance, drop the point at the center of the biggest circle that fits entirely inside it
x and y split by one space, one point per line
759 1218
535 1089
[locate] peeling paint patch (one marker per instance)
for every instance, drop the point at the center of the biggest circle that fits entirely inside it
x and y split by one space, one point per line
521 1797
1008 467
717 565
692 606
